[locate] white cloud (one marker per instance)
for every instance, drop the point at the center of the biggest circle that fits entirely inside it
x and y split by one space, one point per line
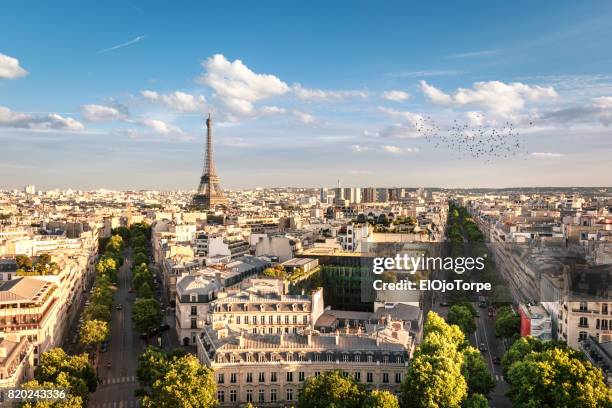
434 94
546 154
10 68
396 96
304 117
236 86
49 121
359 148
273 110
180 101
597 110
158 126
101 113
367 133
399 131
484 53
322 95
495 96
475 118
398 150
410 117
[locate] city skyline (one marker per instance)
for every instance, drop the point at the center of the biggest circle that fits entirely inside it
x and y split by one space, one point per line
338 95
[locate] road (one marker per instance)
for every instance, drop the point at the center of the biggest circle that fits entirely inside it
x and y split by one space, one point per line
118 383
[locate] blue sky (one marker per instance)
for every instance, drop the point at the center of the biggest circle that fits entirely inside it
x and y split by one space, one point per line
112 94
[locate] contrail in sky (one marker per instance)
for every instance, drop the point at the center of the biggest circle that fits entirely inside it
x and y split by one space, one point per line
126 44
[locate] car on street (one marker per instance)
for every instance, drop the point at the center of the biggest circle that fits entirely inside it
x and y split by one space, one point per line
131 290
477 313
444 303
108 365
482 347
496 360
164 327
119 306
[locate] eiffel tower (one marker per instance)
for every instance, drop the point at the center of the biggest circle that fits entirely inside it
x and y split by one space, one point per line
210 194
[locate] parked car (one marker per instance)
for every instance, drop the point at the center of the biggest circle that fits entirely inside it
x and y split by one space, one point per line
496 360
119 306
164 327
444 304
482 347
131 290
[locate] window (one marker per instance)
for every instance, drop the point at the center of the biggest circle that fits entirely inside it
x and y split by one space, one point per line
357 376
286 319
233 378
221 396
317 373
357 357
604 308
317 357
262 377
305 319
584 322
220 378
278 319
246 319
289 394
329 357
301 376
194 323
583 306
194 310
398 359
262 358
582 336
385 359
262 395
294 319
370 377
233 395
345 357
249 395
385 377
262 319
249 377
270 319
289 356
398 377
273 395
249 358
238 319
289 376
369 359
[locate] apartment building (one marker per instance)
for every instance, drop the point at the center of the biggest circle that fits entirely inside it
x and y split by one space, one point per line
29 308
16 360
268 370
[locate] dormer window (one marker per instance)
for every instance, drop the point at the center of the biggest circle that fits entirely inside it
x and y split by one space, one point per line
193 297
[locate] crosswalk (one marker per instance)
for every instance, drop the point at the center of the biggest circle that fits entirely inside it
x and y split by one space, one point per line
117 404
118 380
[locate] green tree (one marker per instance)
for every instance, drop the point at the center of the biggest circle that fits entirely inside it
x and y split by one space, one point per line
24 262
106 266
476 401
145 291
146 314
476 373
93 332
115 244
140 258
56 366
152 365
553 378
97 311
331 389
381 399
507 322
62 382
276 272
462 317
185 383
434 378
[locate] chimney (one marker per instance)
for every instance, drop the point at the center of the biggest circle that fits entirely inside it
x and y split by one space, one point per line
337 337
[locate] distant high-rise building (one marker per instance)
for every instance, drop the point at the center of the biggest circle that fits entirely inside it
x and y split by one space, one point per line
31 189
369 195
210 194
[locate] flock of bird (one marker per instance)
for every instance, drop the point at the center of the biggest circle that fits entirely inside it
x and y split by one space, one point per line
468 140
